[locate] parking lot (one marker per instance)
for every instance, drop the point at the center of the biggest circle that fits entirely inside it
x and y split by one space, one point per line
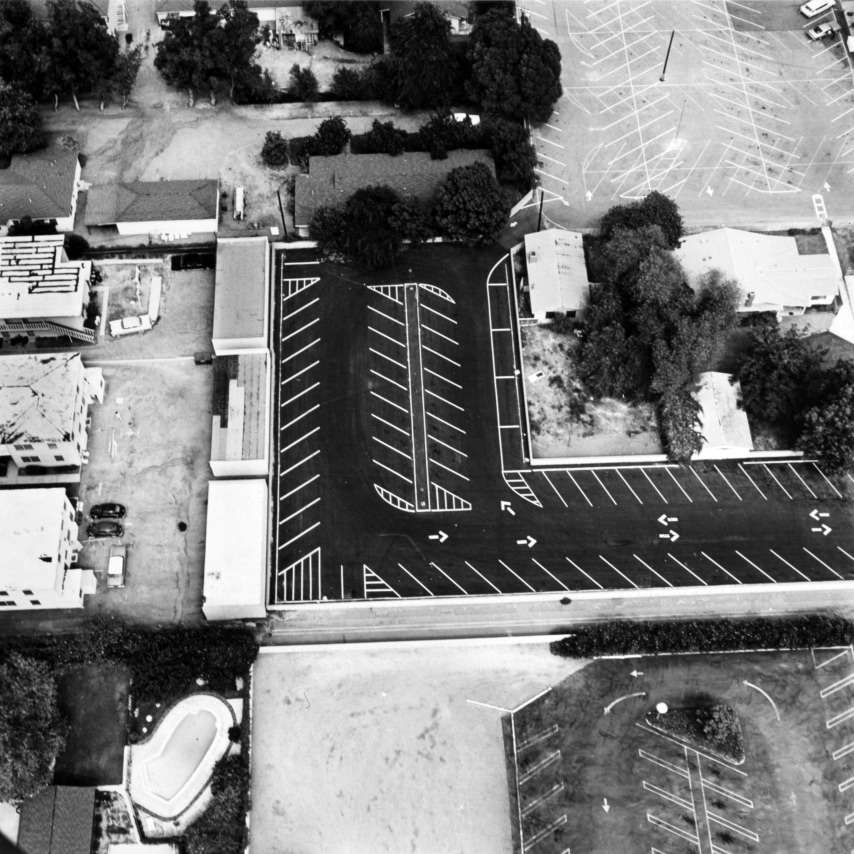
725 106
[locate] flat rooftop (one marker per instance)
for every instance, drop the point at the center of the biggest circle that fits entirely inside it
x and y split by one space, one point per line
240 407
240 304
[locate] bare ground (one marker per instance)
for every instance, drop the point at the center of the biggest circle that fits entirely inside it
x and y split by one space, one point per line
568 422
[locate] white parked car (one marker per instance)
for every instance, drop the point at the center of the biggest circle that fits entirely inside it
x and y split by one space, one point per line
822 31
116 567
816 7
130 325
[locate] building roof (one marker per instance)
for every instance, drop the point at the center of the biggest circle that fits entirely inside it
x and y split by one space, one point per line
240 302
723 424
37 280
32 529
236 548
38 185
58 820
768 268
152 201
240 407
557 272
332 180
38 397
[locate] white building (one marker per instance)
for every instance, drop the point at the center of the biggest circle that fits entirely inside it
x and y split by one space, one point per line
43 406
557 273
723 423
236 550
42 293
772 274
38 545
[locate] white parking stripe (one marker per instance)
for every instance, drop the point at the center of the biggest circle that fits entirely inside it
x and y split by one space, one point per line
299 395
688 569
448 402
442 356
440 334
446 445
300 373
806 485
805 577
299 417
298 488
299 535
392 448
654 572
580 490
770 578
451 382
588 577
828 482
826 566
301 329
723 569
482 576
386 316
389 424
388 337
297 441
613 500
459 586
517 576
297 512
389 469
654 486
778 482
447 423
301 350
629 487
401 386
385 400
605 560
546 476
435 462
439 313
728 483
287 317
557 580
744 472
673 477
415 579
703 484
297 465
389 358
845 553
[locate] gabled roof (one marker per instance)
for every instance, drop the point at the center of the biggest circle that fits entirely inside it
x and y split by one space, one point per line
557 271
332 180
152 201
57 821
38 185
38 397
771 272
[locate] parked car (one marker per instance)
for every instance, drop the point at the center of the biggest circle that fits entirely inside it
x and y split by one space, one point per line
822 31
108 511
116 566
816 7
105 528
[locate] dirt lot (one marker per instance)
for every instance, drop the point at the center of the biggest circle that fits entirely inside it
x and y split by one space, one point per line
567 422
378 750
784 797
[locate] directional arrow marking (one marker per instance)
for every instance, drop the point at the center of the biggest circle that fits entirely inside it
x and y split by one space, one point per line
605 805
589 195
637 673
664 519
670 535
529 541
441 536
824 530
505 505
815 515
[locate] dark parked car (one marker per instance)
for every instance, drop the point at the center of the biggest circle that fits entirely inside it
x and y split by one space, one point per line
105 528
108 511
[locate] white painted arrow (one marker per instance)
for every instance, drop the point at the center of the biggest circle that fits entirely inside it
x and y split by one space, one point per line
589 195
670 535
605 805
826 186
637 673
441 536
710 191
824 530
794 799
529 541
816 515
663 519
505 505
620 700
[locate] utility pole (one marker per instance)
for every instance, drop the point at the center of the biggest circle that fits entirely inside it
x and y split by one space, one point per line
540 218
667 57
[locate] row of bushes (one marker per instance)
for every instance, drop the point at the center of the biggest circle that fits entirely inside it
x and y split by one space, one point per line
627 637
514 155
221 829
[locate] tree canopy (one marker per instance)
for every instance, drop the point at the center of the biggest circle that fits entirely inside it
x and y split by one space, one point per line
471 207
654 209
20 121
828 425
515 71
359 23
32 732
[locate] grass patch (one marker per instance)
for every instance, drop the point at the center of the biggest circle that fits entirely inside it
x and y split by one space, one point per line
716 730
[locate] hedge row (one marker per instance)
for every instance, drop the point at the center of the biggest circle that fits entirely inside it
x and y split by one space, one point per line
627 637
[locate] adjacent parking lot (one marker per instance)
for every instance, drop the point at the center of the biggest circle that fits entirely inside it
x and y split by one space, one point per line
726 107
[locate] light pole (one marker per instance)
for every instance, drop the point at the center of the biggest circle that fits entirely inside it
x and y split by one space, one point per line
667 57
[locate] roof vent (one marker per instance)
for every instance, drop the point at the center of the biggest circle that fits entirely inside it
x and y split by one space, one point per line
750 297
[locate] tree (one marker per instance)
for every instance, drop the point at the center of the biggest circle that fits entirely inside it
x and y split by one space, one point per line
23 47
359 23
303 86
347 85
471 207
679 416
828 426
331 137
382 138
82 53
422 59
412 219
372 243
275 149
442 133
515 72
654 209
515 156
20 121
328 227
32 732
127 68
232 44
221 829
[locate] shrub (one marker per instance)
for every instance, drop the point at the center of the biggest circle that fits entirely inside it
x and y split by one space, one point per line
221 829
471 207
654 209
382 138
275 149
76 246
412 219
300 148
328 227
717 730
331 137
443 133
678 416
347 85
515 156
303 86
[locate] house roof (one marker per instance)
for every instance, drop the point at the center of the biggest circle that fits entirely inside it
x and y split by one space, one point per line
39 396
38 185
723 424
332 180
37 280
240 301
768 268
240 407
557 272
57 821
152 201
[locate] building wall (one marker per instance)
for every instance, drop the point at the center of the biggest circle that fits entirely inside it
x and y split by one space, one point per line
191 226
